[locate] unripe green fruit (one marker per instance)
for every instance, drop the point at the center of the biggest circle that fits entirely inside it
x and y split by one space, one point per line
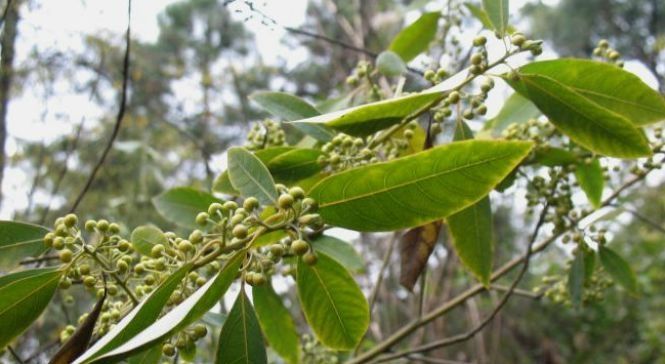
114 228
250 204
61 230
124 245
90 225
468 114
193 276
479 41
454 97
240 231
200 330
102 225
65 283
65 255
476 59
112 289
201 281
297 192
196 236
285 201
168 350
89 281
310 203
48 239
518 39
202 219
157 250
122 266
230 205
429 75
149 280
352 80
277 250
236 219
70 220
259 279
309 258
613 55
214 208
603 43
481 110
139 268
299 247
185 246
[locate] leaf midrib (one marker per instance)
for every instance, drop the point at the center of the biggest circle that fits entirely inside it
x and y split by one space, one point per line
332 302
57 276
13 245
256 182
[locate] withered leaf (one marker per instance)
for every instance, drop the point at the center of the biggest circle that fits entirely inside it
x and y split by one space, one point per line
416 245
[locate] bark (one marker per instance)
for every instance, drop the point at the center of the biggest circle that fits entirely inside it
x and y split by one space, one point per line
7 42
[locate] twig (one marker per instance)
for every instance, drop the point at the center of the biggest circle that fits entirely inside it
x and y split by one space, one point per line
15 355
641 217
39 259
119 117
42 350
4 13
474 290
518 292
471 333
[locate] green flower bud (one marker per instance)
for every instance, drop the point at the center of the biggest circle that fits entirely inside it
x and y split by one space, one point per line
139 268
240 231
112 289
102 225
89 281
214 208
124 245
200 330
476 59
168 350
65 283
84 269
250 204
65 255
517 39
70 220
48 239
90 225
479 41
285 201
149 280
299 247
277 250
202 219
185 246
309 258
230 205
196 236
122 266
157 250
297 193
114 228
201 281
62 230
453 97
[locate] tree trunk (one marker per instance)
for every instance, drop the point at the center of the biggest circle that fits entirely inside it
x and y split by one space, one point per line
7 42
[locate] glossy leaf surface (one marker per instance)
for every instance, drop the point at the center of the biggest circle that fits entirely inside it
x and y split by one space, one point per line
180 205
241 340
20 240
618 269
415 38
145 237
250 176
276 323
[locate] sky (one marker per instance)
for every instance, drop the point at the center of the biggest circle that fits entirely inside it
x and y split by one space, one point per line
61 24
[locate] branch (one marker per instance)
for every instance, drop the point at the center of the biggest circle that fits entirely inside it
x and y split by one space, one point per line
471 333
119 117
641 217
474 290
15 355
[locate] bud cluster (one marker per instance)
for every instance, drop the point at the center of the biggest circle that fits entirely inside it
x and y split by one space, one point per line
265 134
606 53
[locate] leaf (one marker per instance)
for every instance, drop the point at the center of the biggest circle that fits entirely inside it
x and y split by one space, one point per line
415 38
606 85
276 323
618 269
481 15
145 237
142 316
497 12
585 122
591 180
516 110
289 108
367 119
79 341
24 295
576 276
339 250
471 228
240 340
187 312
19 240
416 189
295 165
334 305
222 183
180 205
389 64
416 246
150 355
589 264
553 157
283 105
250 176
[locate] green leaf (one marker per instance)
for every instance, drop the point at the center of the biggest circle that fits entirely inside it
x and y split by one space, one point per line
283 105
367 119
576 276
24 295
618 269
591 180
415 38
419 188
553 157
289 108
145 237
606 85
497 12
250 176
180 205
295 165
481 15
333 304
471 228
339 250
79 341
187 312
222 183
241 340
142 316
276 323
19 240
516 110
150 355
389 64
582 120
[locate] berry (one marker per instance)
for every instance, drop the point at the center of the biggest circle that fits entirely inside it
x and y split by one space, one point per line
310 203
240 231
112 289
89 281
214 208
259 279
84 269
429 75
61 230
200 330
202 219
102 225
479 41
65 283
201 281
230 205
277 250
149 280
309 258
196 236
299 246
122 266
250 204
285 201
476 59
90 225
297 193
65 255
168 350
454 97
124 245
518 39
70 220
157 250
48 239
185 246
58 243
